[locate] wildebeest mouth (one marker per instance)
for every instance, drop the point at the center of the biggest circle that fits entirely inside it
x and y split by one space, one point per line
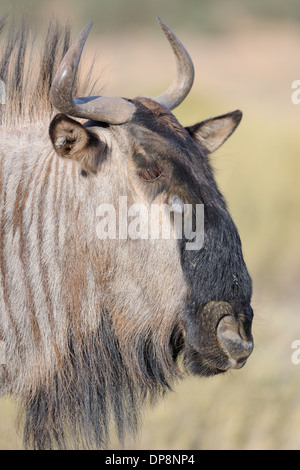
218 338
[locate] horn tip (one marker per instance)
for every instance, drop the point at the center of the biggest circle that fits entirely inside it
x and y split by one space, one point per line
165 28
89 26
161 23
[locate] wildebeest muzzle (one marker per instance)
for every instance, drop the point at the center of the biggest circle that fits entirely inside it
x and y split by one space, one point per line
218 337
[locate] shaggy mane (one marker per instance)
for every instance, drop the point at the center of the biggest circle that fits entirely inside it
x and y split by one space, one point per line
28 64
85 377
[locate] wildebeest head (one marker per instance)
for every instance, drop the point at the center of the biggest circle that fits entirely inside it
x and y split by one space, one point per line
137 148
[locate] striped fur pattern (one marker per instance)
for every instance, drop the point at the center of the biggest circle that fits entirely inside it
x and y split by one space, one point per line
87 327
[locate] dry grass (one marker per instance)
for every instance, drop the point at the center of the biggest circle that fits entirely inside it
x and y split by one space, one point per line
257 407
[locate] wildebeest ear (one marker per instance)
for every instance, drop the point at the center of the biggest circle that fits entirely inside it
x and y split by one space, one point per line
72 140
212 133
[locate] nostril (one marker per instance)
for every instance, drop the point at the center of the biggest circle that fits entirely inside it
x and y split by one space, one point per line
241 361
239 364
248 348
236 344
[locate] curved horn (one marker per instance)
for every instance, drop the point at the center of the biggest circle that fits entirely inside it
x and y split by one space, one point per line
184 79
100 108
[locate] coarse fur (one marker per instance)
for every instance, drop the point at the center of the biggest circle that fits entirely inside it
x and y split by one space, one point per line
27 69
61 307
93 328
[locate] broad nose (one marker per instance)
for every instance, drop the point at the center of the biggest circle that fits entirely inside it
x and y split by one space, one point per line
235 338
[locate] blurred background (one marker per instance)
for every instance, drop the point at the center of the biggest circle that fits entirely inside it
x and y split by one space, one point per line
246 56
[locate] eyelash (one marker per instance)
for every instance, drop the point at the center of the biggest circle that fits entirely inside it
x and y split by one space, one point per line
150 173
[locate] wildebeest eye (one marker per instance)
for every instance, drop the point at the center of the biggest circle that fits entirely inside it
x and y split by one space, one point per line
149 173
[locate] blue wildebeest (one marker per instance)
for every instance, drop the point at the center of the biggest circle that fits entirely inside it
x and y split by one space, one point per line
94 327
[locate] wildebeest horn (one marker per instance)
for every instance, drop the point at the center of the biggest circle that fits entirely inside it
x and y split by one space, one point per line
112 110
184 79
115 110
